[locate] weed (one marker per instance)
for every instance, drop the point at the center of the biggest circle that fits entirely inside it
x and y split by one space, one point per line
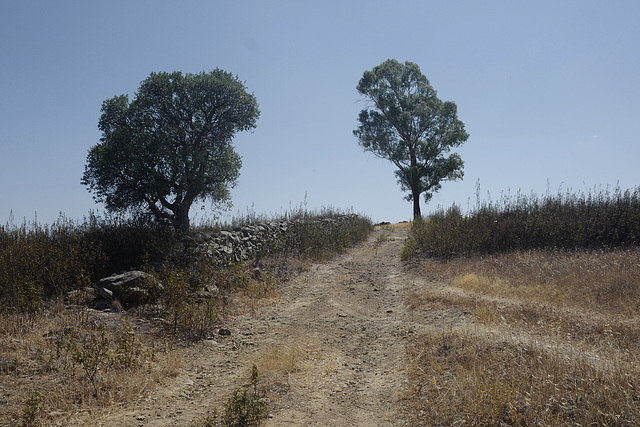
382 237
32 410
211 420
244 407
93 356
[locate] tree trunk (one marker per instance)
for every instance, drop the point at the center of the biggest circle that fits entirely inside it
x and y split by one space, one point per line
181 218
414 180
416 204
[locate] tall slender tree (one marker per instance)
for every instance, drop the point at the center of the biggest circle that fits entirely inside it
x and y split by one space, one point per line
407 124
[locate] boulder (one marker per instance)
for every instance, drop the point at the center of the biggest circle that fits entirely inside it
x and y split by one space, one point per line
131 288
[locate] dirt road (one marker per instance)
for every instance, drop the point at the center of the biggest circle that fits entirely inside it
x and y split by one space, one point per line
330 351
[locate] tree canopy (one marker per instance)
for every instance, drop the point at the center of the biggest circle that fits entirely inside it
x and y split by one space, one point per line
410 126
171 145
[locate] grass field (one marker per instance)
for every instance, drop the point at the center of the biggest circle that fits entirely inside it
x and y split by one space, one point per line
548 339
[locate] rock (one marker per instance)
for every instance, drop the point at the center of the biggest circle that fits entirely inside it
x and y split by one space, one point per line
131 288
81 296
105 293
118 281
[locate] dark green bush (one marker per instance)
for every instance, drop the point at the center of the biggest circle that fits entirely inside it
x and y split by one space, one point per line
592 220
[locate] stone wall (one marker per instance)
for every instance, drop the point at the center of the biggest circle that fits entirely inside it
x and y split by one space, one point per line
247 241
240 244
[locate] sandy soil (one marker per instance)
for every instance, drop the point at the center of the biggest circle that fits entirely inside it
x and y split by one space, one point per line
330 351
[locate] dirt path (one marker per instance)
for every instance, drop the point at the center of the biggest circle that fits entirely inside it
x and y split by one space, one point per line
331 350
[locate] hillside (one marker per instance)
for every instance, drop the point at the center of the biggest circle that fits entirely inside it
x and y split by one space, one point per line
365 339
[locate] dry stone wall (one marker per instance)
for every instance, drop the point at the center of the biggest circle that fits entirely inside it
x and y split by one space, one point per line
248 241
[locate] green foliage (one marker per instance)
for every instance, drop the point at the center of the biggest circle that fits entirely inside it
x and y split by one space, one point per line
171 145
411 127
244 407
592 220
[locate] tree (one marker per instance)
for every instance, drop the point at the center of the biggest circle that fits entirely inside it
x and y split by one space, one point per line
171 145
409 126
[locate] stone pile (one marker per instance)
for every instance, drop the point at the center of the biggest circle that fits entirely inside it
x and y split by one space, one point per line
130 287
247 241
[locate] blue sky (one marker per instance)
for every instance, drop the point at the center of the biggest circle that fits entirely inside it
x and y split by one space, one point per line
549 92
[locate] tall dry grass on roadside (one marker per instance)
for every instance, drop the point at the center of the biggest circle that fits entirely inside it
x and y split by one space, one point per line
595 219
599 281
40 262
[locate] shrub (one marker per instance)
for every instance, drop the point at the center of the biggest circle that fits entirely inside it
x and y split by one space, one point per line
41 262
245 407
592 220
320 236
190 317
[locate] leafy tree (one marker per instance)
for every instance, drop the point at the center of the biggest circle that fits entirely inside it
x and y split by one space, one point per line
171 145
409 126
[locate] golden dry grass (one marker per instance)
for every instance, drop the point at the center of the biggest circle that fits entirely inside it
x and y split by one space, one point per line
277 363
74 359
550 339
463 377
398 225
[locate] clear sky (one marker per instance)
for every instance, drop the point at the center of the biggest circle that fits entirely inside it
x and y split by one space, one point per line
549 92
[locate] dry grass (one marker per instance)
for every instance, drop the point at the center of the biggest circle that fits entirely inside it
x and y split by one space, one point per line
278 363
64 363
549 339
295 367
75 360
58 362
462 377
400 226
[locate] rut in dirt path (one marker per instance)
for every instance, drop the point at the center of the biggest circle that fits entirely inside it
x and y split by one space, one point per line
354 309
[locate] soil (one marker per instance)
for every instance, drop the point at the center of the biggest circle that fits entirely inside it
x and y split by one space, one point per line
330 350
